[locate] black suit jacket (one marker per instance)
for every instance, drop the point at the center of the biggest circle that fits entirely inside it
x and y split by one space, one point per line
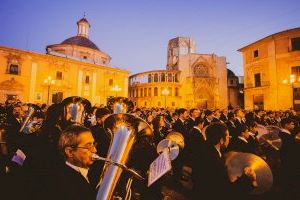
190 124
13 135
239 145
194 147
181 127
69 184
211 178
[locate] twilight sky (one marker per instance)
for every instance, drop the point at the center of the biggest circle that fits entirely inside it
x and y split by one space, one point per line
135 33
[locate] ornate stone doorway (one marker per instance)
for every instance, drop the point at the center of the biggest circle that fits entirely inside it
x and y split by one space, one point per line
10 89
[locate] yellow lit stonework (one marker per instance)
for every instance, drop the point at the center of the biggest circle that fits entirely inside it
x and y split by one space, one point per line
272 71
194 80
77 66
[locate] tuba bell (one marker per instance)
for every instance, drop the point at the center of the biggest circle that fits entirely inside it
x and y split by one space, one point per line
126 130
75 110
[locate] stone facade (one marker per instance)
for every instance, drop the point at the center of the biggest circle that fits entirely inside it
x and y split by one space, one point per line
78 67
272 71
233 89
201 80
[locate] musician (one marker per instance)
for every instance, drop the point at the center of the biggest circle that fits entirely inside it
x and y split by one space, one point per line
216 116
14 124
77 145
100 135
239 121
194 113
224 115
180 124
208 117
210 175
231 125
241 143
159 130
195 142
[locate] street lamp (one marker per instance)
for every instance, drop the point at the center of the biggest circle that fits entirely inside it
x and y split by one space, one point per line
165 92
48 82
116 89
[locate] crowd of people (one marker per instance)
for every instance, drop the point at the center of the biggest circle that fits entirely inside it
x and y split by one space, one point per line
52 157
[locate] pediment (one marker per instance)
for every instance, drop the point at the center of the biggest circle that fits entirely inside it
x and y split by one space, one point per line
11 84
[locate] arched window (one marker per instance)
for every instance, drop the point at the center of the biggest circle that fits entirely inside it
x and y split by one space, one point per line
155 91
137 93
159 104
176 92
170 78
149 92
149 78
13 69
176 78
163 77
141 93
145 92
155 77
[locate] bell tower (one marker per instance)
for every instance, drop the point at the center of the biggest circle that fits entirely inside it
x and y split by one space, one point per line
178 47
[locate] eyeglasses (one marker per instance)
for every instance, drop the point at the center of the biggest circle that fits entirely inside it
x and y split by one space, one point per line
89 146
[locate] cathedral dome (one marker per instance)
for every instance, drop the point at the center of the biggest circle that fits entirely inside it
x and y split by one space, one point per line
81 41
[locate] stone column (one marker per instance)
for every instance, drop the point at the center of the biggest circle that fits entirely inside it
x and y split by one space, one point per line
94 85
79 82
32 82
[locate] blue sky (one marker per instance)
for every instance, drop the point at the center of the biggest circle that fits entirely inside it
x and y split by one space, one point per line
135 33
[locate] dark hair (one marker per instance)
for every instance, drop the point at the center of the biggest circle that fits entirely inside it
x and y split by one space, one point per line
285 121
208 112
100 112
156 121
198 121
242 129
192 110
214 132
230 115
181 111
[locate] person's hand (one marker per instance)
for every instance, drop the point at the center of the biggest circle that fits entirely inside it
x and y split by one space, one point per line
248 171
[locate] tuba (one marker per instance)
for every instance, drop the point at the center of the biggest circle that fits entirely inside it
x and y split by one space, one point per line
75 110
126 130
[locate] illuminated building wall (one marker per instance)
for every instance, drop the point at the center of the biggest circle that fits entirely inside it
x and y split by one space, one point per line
272 71
77 65
201 79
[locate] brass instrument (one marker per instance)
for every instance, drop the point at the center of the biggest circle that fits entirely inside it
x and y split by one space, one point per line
3 144
30 126
235 163
75 109
126 131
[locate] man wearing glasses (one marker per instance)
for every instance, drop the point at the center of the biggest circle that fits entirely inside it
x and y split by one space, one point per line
77 145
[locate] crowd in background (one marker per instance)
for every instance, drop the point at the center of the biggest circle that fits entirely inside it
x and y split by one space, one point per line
208 135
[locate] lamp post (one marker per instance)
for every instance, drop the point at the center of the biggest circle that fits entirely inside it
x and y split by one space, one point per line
116 89
48 82
165 92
